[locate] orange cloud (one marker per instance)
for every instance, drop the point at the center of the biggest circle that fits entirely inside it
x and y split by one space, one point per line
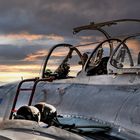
89 38
55 37
17 72
60 54
86 37
23 35
37 55
6 77
11 38
42 53
134 45
19 68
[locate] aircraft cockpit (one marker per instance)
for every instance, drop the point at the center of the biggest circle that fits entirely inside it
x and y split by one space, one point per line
98 60
126 56
68 61
110 56
64 61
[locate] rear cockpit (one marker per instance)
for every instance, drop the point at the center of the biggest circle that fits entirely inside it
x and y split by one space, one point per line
98 60
126 56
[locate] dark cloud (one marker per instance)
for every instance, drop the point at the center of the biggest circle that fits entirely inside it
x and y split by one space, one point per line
55 17
12 55
60 16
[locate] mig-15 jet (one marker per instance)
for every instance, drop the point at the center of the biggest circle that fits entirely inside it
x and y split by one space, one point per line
83 93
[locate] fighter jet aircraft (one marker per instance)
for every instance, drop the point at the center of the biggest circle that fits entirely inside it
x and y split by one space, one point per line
95 93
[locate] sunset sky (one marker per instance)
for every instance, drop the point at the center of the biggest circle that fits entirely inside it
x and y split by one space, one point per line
29 28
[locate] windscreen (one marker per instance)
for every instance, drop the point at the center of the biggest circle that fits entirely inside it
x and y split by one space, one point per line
127 55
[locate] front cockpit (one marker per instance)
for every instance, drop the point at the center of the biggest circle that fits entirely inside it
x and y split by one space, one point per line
64 61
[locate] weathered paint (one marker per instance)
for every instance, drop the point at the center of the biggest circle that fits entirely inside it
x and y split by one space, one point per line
7 93
112 99
107 99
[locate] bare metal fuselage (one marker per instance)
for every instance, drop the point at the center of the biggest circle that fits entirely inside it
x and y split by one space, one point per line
106 99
